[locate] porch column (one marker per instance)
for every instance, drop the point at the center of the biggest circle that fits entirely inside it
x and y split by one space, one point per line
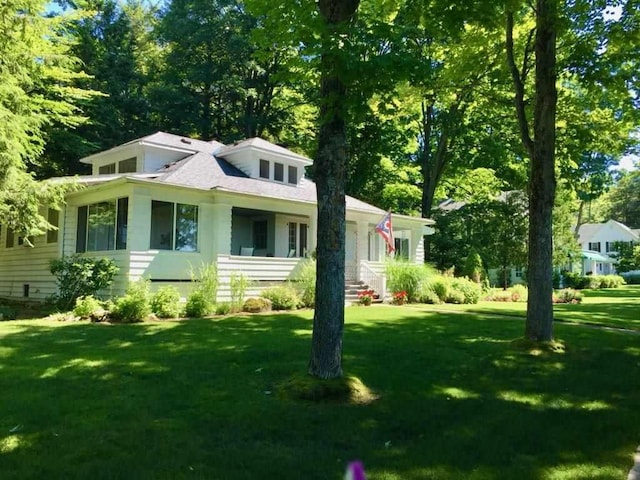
313 231
416 251
362 245
139 219
207 218
220 229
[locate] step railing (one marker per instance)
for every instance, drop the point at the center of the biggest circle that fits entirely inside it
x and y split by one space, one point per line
377 281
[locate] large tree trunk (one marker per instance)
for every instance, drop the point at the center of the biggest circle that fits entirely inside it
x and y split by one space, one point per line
541 151
330 170
542 179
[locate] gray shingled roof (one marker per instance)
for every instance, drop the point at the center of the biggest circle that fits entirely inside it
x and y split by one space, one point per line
205 169
164 139
261 144
207 172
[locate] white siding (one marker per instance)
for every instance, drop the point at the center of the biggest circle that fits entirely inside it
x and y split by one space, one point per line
22 265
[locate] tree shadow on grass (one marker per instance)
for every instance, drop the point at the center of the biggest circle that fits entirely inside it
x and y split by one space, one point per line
197 399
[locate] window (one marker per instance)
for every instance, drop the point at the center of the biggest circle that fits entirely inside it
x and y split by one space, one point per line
293 236
9 242
298 233
127 166
53 217
304 228
293 175
278 172
260 234
595 246
102 226
174 226
264 169
107 169
402 248
518 272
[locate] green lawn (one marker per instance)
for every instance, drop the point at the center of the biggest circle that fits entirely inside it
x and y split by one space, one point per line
199 399
616 307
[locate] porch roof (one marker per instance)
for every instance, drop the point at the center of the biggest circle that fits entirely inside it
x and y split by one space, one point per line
598 257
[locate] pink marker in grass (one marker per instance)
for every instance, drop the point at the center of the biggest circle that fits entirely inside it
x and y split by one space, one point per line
355 471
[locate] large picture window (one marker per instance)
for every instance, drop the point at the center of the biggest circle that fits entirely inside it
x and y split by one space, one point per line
102 226
174 226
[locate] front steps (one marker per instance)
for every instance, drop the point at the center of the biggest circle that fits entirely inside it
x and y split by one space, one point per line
351 290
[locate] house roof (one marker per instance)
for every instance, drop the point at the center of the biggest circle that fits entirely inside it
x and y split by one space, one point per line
164 140
263 145
206 169
588 230
212 173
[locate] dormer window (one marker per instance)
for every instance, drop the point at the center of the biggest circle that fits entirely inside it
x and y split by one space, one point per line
293 175
264 169
278 172
127 166
107 169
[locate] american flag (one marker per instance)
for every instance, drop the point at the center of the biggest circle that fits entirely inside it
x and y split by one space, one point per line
384 229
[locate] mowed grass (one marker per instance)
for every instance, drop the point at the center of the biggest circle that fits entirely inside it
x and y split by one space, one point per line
200 399
613 307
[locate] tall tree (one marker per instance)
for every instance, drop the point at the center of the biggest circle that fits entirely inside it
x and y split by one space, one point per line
111 41
37 75
330 167
540 149
215 72
622 202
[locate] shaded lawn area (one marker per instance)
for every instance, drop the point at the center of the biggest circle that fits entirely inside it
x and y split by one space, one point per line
199 399
613 307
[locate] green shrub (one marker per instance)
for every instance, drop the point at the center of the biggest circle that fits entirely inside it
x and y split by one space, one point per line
469 289
223 308
403 276
440 286
201 300
567 295
631 278
427 295
580 282
78 276
305 284
7 313
455 296
134 305
473 267
256 305
499 295
282 297
610 281
165 303
86 306
198 305
519 293
238 285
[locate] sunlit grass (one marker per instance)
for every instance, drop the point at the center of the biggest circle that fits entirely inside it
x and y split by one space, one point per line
442 396
616 308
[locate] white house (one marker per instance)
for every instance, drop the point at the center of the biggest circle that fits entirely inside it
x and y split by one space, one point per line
163 205
597 241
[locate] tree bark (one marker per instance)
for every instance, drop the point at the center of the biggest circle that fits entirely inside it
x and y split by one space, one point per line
330 176
542 179
541 151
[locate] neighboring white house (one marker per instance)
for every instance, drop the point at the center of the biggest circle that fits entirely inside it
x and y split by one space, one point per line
597 241
163 205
